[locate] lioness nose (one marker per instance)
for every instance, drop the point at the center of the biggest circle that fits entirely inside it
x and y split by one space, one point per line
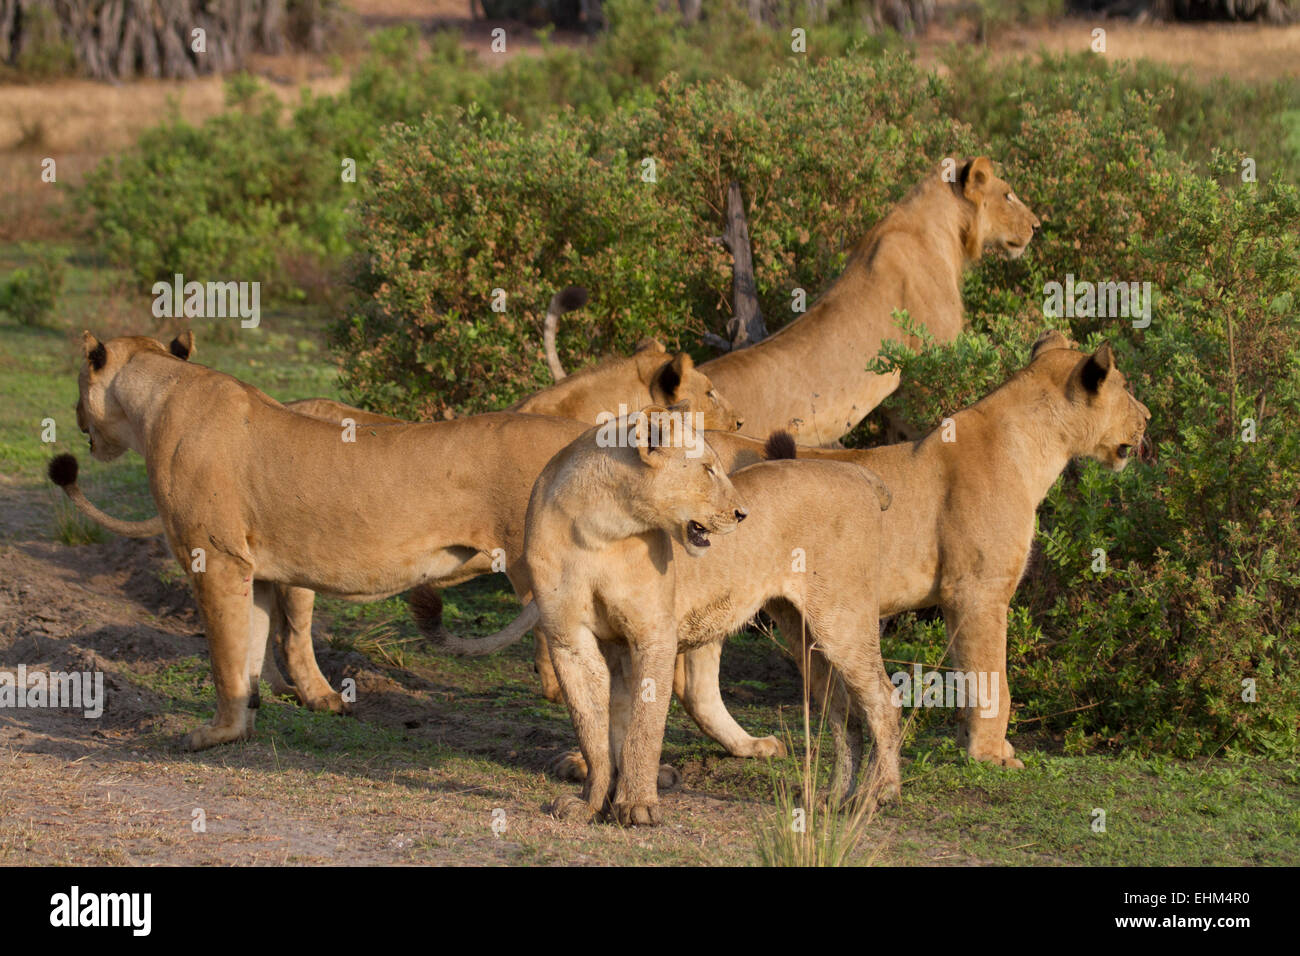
741 514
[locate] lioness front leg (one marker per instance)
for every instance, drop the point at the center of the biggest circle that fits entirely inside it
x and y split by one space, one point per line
696 678
648 672
224 593
585 680
978 633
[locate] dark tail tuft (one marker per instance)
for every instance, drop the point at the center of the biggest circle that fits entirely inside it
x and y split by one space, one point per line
780 444
426 608
63 470
574 297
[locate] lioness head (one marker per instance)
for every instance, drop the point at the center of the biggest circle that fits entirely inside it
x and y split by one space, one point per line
1103 417
681 486
998 218
678 380
99 415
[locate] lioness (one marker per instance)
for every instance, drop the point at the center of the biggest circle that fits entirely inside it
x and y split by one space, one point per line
649 376
247 491
810 377
961 526
625 571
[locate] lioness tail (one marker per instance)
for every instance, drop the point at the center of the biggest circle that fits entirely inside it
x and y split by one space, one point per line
426 608
566 300
63 472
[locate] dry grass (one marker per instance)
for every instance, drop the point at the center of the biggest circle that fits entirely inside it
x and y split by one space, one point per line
1243 51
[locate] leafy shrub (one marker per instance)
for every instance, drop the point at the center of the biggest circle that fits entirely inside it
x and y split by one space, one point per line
30 293
252 188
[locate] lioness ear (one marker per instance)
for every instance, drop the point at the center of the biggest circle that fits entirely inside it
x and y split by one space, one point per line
649 438
649 345
96 354
670 379
1096 367
975 175
1051 339
183 345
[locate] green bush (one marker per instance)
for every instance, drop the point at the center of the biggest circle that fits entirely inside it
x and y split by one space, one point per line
252 194
30 293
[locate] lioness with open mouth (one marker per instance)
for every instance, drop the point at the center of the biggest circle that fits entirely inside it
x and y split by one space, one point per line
623 551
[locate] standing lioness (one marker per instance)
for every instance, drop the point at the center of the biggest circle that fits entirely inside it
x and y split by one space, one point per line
962 523
251 495
625 572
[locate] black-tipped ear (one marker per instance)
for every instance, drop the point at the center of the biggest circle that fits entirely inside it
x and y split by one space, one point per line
1051 339
670 376
975 176
183 345
63 470
1096 368
96 354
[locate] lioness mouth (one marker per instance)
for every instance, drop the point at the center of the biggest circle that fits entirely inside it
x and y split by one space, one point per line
697 534
1123 450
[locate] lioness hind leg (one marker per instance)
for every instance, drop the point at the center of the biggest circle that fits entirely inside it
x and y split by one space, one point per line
827 690
224 593
851 643
280 685
545 671
260 615
585 680
696 682
313 690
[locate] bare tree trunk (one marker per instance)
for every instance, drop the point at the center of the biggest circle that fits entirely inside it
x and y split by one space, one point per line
746 326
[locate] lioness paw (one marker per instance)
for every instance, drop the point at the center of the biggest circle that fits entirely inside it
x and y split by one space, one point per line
636 814
208 736
765 747
669 778
332 702
571 808
570 766
1001 758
